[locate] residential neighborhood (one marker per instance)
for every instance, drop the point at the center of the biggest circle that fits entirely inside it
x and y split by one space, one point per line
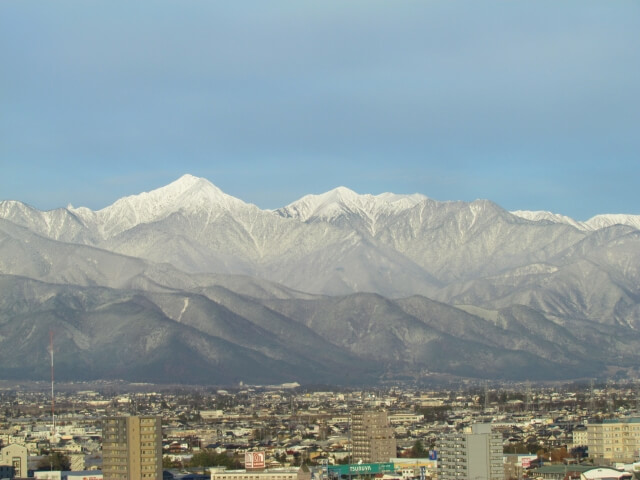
536 430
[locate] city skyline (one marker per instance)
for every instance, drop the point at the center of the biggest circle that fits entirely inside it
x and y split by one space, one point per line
530 105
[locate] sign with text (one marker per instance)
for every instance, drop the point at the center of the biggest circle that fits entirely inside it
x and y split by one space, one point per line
361 468
526 460
254 460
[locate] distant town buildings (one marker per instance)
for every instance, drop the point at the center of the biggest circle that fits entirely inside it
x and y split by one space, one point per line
372 437
132 448
545 432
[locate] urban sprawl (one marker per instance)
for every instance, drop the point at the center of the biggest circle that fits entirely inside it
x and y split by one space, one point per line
110 430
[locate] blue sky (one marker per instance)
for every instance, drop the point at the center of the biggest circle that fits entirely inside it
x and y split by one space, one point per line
534 105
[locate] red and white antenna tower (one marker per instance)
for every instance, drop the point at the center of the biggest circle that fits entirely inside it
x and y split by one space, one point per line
53 416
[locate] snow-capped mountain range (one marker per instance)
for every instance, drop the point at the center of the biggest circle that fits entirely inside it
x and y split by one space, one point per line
595 223
336 276
193 195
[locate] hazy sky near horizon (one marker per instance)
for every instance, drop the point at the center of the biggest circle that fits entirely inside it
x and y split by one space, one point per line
534 105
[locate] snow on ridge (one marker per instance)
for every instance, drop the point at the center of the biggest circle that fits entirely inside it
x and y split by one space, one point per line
607 220
198 195
595 223
22 214
343 200
8 207
542 216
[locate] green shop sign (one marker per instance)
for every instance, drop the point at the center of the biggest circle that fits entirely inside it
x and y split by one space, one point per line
360 469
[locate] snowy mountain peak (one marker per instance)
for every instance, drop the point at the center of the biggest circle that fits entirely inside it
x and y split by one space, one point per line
188 194
342 200
342 192
184 190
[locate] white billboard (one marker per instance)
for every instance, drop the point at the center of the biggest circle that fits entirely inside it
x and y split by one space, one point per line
97 475
48 475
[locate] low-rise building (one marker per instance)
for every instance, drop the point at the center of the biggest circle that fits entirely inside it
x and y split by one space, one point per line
15 456
301 473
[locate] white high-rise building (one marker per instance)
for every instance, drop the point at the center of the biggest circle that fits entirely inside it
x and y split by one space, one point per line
475 453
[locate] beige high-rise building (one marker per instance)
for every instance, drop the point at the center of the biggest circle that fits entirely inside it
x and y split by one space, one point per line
614 440
132 448
372 437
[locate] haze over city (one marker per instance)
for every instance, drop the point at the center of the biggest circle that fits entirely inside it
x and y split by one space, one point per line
533 105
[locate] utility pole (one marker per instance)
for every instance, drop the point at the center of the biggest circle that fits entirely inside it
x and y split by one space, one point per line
53 416
486 397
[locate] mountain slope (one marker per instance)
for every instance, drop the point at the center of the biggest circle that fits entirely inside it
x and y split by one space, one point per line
335 243
222 337
389 285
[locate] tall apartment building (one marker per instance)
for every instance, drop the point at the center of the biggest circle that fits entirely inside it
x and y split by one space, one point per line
475 453
372 437
616 440
580 437
132 448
